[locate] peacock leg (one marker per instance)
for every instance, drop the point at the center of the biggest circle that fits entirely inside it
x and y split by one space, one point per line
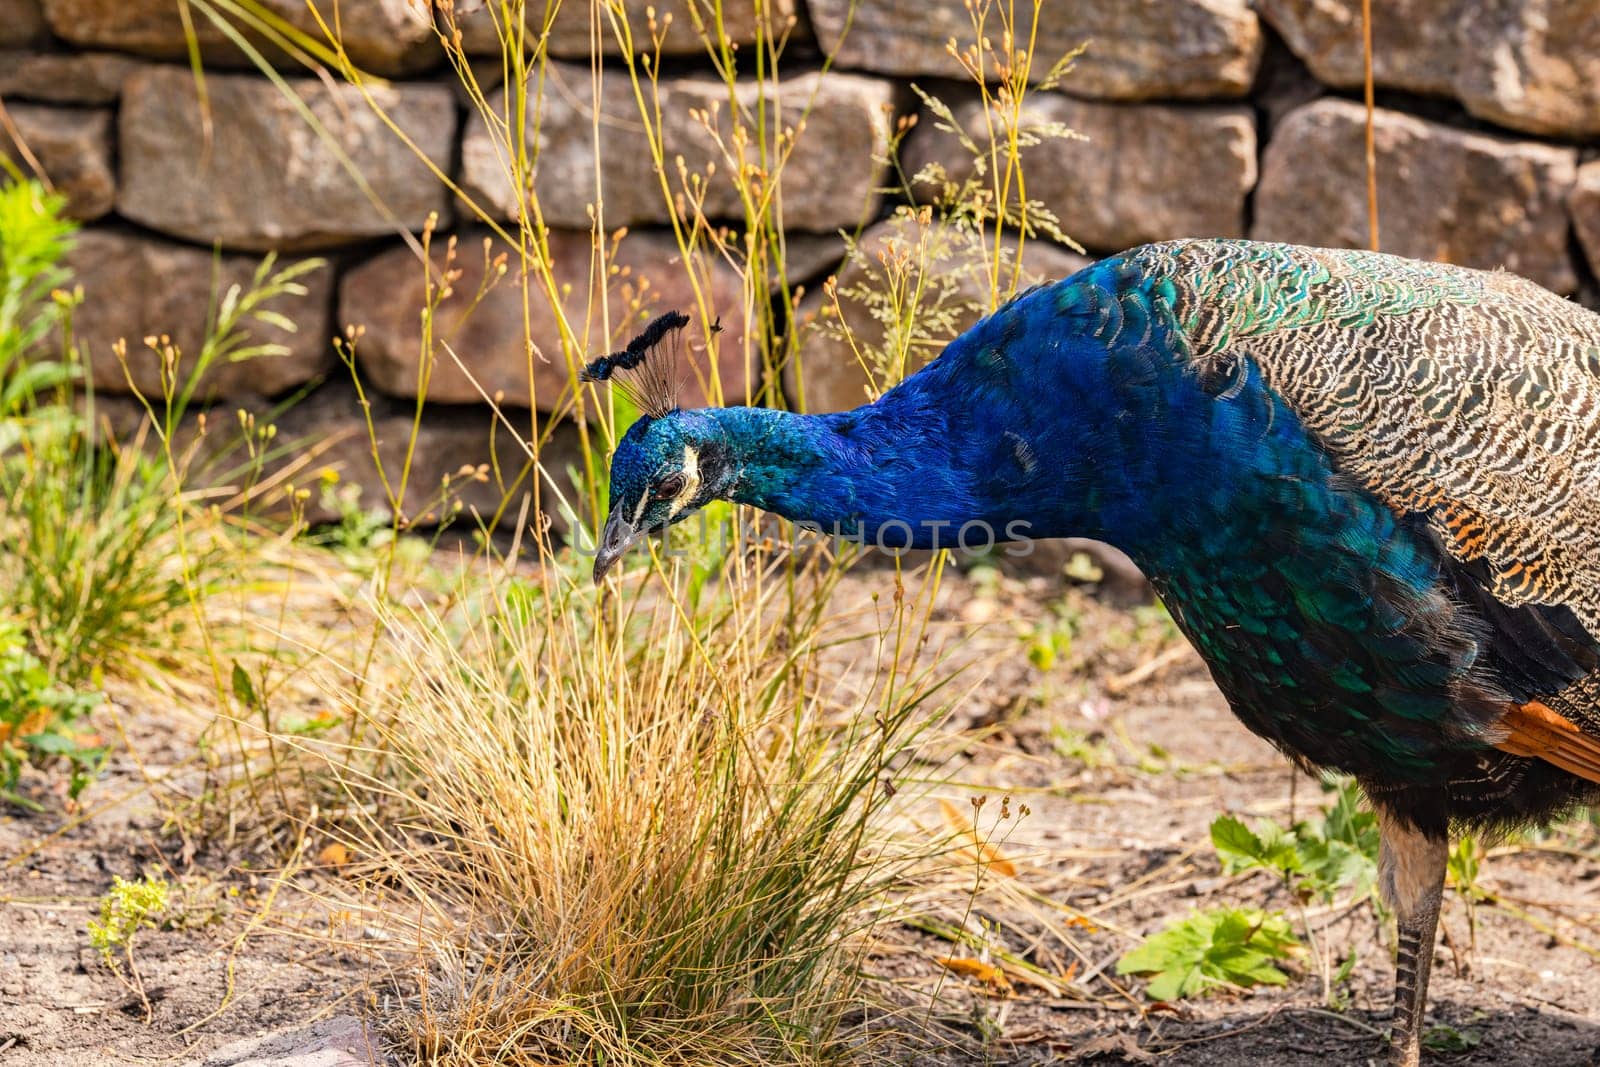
1411 868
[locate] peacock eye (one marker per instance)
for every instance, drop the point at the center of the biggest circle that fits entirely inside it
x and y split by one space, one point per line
670 486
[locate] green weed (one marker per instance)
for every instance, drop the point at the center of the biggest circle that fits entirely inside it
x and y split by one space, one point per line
1462 867
34 239
125 909
1091 751
110 558
1049 641
1451 1041
359 529
1317 860
1339 997
1218 949
110 552
41 721
1237 946
1154 620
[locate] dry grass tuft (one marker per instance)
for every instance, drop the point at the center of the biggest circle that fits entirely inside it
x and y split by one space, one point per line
634 835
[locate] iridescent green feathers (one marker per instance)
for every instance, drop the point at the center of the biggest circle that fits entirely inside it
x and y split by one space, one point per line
1469 397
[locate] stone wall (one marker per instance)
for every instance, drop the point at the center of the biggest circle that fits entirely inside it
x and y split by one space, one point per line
1200 118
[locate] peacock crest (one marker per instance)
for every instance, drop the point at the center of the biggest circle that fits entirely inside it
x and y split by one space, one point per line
647 369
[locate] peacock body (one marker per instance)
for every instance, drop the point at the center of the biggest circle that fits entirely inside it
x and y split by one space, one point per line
1367 488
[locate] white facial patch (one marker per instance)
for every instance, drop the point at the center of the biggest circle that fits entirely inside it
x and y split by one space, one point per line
691 481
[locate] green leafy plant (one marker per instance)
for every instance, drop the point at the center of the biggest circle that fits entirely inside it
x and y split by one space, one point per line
1317 860
1050 640
1090 750
1155 620
1449 1040
1462 866
95 566
108 557
40 721
1218 949
358 529
1339 996
125 909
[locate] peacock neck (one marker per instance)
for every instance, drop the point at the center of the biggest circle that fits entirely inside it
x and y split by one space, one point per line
778 459
1048 420
874 473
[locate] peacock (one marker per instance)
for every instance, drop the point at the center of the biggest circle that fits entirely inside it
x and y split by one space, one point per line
1367 489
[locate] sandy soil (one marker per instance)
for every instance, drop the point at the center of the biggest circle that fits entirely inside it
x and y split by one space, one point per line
1110 851
239 969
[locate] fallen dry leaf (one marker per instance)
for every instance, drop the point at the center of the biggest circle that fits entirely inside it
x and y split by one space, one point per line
987 973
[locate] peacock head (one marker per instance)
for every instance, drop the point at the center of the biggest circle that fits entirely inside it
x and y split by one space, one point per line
669 463
665 468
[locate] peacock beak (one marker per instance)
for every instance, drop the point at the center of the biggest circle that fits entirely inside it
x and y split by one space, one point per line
617 537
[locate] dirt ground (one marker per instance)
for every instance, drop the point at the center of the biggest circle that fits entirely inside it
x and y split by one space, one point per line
1123 753
240 969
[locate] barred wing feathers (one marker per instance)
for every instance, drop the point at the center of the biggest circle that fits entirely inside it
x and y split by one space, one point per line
1469 398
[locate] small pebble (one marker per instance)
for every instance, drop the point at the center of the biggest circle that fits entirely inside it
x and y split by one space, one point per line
979 610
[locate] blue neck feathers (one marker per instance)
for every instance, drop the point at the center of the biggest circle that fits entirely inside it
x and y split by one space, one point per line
872 474
1021 429
997 440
